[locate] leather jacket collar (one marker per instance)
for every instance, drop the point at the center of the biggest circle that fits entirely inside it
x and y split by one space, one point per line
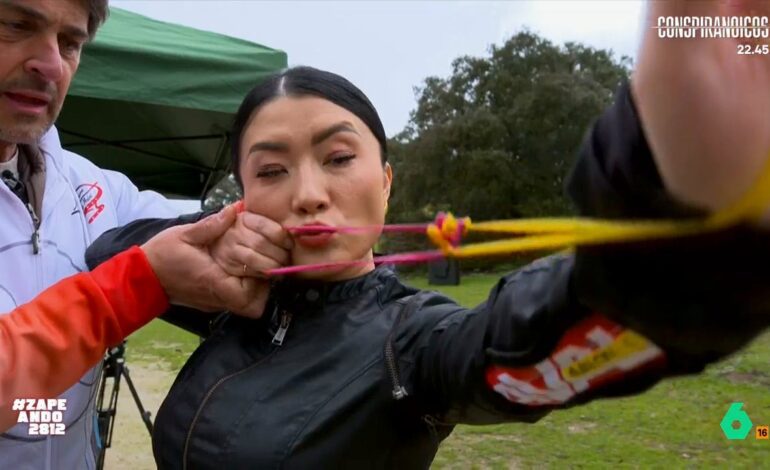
299 295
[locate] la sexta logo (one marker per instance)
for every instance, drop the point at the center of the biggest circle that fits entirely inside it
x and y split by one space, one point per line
737 425
90 195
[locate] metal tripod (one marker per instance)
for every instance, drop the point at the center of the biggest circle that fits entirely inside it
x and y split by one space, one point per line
115 368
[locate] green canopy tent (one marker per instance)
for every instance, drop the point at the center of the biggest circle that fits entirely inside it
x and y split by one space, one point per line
155 101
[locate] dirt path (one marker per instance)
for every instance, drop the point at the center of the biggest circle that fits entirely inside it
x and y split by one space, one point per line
131 445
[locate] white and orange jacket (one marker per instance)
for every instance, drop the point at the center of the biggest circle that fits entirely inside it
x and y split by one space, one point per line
50 342
80 202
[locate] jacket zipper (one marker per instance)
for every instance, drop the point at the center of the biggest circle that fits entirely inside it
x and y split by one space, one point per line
35 238
399 392
277 340
281 333
36 231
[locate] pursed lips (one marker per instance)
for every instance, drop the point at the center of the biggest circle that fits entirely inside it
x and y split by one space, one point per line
314 234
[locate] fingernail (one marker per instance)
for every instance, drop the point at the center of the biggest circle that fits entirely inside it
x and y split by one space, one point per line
239 206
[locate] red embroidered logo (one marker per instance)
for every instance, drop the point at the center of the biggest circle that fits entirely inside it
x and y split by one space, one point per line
90 195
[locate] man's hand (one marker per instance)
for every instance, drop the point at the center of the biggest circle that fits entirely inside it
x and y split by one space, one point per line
251 246
704 108
190 276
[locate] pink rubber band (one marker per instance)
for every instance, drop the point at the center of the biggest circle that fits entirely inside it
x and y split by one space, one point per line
401 258
392 228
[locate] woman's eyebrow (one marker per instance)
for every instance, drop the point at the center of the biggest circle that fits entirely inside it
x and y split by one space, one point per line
269 147
343 126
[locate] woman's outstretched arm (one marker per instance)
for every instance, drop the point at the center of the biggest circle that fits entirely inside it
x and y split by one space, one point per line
605 321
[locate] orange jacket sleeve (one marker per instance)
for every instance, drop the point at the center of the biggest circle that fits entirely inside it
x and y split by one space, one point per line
47 344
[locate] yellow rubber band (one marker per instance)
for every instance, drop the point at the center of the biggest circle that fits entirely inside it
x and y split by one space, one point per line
554 233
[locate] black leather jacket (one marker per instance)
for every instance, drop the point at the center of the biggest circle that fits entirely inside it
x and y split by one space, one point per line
370 372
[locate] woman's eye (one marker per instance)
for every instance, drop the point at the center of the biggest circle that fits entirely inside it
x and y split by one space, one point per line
270 172
341 160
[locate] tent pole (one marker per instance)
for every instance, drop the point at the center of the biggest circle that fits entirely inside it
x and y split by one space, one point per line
133 149
138 141
220 153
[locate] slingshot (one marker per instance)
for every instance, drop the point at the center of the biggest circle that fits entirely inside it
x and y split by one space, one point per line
537 234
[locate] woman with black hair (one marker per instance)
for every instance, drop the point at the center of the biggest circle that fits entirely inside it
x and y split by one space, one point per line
349 367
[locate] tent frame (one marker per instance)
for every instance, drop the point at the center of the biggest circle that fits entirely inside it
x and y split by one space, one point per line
125 145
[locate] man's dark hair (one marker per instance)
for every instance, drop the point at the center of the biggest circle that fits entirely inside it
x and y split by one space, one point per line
305 81
98 10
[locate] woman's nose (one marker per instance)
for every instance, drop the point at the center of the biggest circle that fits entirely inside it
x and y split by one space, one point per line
311 196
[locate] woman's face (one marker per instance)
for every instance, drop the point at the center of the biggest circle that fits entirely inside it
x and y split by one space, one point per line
307 161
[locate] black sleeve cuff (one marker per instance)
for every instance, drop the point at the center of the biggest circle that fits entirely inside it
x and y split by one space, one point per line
138 232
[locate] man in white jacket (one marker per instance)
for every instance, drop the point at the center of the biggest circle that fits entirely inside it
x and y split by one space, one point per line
54 203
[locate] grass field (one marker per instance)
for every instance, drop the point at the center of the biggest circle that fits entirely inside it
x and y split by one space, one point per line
676 424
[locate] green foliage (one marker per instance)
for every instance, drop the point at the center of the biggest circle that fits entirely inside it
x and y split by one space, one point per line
225 192
161 343
496 138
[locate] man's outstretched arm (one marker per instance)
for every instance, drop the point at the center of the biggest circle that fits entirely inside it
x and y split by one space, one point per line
48 343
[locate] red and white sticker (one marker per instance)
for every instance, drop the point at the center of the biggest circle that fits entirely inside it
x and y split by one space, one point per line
594 352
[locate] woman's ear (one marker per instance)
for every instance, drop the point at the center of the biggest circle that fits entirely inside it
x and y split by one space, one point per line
387 180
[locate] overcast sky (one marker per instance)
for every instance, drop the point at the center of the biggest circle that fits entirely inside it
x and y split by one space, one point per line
387 48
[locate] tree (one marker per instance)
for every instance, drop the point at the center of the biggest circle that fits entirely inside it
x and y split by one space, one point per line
496 138
225 192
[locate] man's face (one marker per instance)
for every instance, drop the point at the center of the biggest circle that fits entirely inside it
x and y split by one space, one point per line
40 44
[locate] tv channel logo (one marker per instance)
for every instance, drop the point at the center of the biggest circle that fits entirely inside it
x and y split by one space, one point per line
735 414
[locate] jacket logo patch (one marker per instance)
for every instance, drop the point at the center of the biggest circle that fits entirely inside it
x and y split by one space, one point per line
594 352
90 195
